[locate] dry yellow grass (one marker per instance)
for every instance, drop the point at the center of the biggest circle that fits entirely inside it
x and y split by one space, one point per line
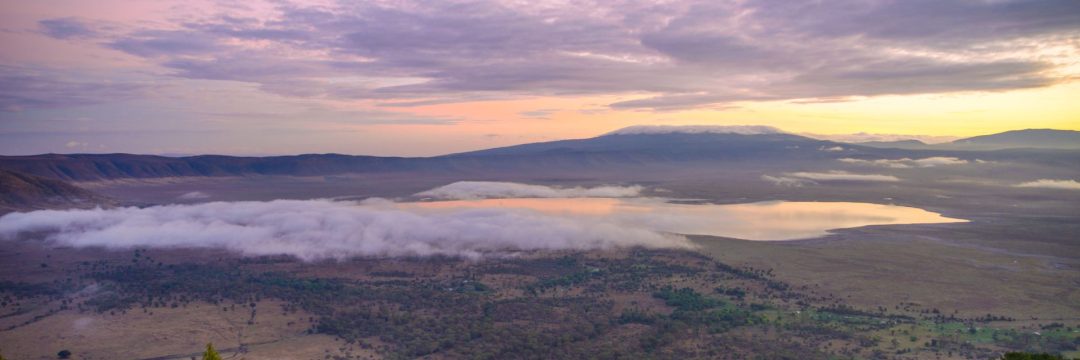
174 333
871 272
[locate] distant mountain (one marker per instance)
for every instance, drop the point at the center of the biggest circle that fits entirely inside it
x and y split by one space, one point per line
898 144
1030 138
697 129
631 147
740 148
20 192
664 145
1017 139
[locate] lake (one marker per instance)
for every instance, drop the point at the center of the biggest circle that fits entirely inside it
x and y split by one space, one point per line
762 221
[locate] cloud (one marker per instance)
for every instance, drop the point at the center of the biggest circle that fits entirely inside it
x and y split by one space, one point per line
487 189
830 148
155 43
679 101
697 129
934 23
676 55
867 137
322 229
907 163
785 181
337 116
65 28
843 176
538 113
1051 184
194 195
921 76
24 88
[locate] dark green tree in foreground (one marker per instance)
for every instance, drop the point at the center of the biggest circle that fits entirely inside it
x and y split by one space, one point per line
64 354
1029 356
210 353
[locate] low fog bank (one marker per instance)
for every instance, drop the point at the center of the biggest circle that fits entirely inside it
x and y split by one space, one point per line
908 163
471 190
324 229
479 219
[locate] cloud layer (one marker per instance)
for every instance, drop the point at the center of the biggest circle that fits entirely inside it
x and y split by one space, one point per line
1051 184
323 229
464 190
193 195
836 175
683 54
786 181
907 163
867 137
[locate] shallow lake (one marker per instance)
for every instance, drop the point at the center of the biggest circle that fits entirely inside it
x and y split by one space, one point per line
764 221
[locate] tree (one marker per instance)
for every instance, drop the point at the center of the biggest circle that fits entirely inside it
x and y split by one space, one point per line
64 354
210 353
1031 356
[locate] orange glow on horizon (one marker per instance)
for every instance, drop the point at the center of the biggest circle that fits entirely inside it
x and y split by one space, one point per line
956 114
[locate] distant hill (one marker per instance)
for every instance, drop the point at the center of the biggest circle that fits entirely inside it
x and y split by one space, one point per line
93 167
19 192
898 144
672 145
739 148
696 129
1030 138
612 150
1017 139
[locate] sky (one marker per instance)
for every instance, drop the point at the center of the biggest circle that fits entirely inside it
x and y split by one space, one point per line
419 78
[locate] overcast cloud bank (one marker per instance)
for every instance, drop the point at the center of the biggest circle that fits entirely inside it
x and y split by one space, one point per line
466 190
1051 184
680 55
324 229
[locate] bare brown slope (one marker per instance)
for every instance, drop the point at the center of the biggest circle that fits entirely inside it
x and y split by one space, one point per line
20 192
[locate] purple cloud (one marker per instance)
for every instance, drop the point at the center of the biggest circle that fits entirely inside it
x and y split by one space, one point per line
65 28
32 88
687 54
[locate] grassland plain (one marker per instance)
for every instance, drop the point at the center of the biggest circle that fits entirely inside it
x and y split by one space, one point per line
164 304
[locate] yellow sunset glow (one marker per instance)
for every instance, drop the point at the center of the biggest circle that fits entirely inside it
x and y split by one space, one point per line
955 114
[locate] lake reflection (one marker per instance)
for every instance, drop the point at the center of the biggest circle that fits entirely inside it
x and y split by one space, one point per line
765 221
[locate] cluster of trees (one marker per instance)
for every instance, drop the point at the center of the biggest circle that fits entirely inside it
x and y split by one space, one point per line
1032 356
450 315
733 292
686 299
